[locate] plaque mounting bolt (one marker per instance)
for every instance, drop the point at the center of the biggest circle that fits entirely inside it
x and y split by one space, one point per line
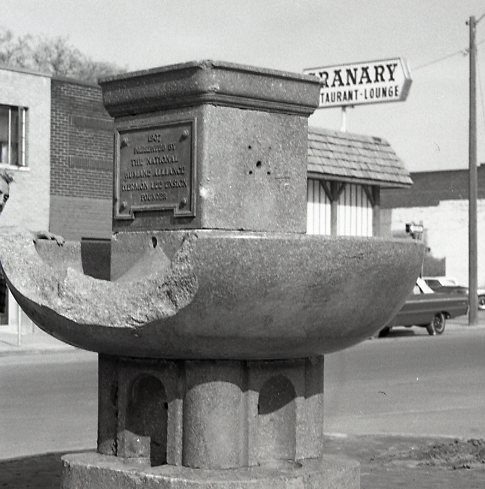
124 141
123 205
183 203
185 134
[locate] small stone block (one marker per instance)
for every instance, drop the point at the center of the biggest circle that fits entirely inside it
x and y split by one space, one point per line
131 445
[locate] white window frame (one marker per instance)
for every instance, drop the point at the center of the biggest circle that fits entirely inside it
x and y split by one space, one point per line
22 132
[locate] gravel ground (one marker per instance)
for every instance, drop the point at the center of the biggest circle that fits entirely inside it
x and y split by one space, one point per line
391 462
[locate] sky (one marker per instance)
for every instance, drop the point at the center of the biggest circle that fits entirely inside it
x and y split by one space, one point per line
429 131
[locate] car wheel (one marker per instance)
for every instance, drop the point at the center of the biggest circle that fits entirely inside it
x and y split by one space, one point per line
437 325
384 332
481 302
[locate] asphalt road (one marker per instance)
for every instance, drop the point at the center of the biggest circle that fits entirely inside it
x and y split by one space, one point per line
48 403
406 383
409 383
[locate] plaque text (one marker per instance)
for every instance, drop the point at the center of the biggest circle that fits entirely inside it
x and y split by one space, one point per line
156 170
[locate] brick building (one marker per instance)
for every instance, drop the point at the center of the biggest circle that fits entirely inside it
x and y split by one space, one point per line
56 141
81 161
439 200
25 115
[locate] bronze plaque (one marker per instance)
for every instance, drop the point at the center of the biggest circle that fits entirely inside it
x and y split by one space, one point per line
155 170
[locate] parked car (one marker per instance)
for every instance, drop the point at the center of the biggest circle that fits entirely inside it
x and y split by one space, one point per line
429 309
449 284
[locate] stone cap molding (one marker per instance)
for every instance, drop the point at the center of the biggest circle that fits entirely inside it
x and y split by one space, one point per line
210 82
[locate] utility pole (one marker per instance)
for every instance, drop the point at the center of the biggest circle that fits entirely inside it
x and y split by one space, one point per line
472 183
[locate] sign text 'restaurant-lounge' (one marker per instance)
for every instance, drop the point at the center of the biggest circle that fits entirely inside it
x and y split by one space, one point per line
363 83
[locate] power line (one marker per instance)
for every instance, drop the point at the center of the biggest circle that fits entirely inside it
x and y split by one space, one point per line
429 63
463 52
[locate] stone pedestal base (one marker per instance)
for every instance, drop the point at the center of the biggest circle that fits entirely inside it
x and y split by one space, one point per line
95 471
209 424
210 414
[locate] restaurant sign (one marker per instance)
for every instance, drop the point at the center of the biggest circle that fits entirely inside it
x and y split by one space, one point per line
371 82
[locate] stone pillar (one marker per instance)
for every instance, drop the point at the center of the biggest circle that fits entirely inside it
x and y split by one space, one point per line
210 145
215 428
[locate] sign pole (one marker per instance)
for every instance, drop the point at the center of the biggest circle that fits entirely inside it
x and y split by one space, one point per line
472 184
343 124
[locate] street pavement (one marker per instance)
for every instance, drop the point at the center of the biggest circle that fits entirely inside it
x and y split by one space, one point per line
48 403
34 343
382 397
409 383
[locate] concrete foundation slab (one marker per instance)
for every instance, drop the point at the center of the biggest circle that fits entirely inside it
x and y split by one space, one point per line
91 470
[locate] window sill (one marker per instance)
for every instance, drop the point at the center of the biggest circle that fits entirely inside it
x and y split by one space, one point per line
4 166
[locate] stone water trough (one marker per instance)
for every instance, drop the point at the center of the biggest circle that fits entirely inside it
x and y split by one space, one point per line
214 294
213 312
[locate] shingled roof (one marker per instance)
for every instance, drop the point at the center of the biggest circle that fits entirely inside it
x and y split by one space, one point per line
353 157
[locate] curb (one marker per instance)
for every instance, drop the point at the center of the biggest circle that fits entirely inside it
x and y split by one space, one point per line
37 351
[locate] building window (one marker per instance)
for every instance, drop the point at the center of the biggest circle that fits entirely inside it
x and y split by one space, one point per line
12 135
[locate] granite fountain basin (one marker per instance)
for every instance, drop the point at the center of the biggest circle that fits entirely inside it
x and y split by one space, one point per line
210 294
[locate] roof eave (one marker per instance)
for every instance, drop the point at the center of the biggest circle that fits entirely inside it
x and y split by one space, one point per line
360 181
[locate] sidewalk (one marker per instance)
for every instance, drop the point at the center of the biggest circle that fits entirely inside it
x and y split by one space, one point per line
387 462
37 342
462 321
